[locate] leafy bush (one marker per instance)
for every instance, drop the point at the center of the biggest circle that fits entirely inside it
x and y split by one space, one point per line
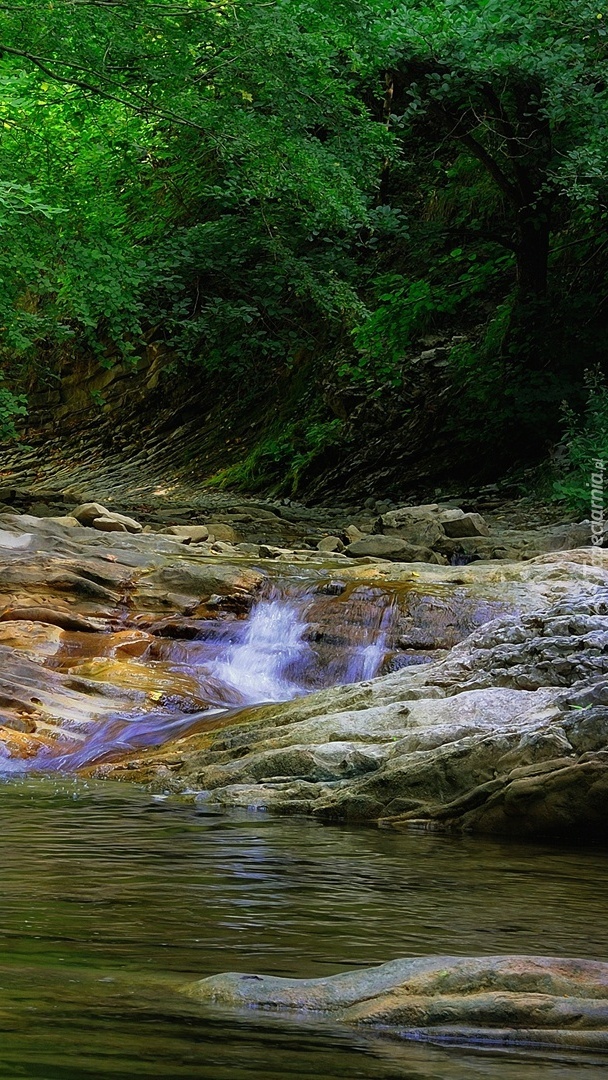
282 456
405 309
11 406
584 444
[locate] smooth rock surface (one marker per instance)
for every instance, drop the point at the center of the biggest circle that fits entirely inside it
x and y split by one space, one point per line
391 547
507 734
92 513
497 999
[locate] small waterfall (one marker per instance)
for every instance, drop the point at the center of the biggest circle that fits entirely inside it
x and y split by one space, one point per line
367 656
264 664
293 642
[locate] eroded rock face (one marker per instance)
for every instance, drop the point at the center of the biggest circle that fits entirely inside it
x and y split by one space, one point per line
70 592
507 734
504 999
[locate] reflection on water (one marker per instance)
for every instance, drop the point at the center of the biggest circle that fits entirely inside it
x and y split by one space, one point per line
111 899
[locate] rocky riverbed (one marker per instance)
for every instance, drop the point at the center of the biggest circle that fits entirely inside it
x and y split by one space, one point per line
413 668
492 716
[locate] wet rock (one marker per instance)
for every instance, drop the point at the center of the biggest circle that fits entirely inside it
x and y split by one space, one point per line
13 541
332 588
197 580
267 552
67 620
36 640
449 738
495 999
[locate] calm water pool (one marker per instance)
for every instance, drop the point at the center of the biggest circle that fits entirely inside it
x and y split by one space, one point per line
111 899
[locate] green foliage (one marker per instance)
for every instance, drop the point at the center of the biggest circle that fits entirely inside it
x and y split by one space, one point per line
404 310
12 406
283 455
584 446
233 182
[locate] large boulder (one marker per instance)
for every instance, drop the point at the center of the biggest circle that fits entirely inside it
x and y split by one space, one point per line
391 547
99 517
456 523
422 531
491 999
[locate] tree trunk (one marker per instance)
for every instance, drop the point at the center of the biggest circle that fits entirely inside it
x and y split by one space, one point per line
534 233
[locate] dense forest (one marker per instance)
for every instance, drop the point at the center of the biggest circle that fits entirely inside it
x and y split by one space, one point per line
364 219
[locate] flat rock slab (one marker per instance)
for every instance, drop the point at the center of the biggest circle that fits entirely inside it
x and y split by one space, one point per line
505 999
506 734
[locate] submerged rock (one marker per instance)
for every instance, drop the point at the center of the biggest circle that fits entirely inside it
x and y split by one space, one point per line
498 999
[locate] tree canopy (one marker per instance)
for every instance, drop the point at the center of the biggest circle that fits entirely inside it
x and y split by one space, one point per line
248 183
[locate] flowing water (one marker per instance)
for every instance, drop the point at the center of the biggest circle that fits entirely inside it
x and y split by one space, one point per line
112 899
293 641
297 638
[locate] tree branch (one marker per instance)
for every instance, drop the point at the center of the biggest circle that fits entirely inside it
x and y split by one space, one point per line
143 107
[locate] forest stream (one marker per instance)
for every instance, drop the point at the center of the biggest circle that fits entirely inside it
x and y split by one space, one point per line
303 540
114 898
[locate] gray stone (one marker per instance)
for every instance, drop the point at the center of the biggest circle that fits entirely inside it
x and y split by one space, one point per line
352 533
443 745
456 524
406 513
330 543
390 547
195 534
420 530
219 530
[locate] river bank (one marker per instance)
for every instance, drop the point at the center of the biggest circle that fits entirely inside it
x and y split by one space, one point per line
114 641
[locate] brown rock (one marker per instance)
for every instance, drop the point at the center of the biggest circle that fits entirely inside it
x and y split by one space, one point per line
109 524
504 999
90 513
